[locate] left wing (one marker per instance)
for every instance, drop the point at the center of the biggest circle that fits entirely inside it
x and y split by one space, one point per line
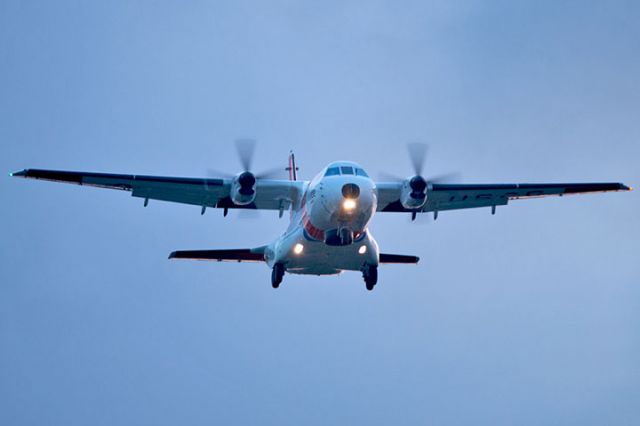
466 196
270 194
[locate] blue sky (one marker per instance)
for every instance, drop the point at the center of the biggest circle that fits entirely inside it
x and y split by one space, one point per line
527 317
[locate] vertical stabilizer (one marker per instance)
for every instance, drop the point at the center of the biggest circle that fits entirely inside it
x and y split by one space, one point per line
292 168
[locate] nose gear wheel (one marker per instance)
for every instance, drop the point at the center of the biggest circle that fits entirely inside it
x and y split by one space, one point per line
277 273
370 275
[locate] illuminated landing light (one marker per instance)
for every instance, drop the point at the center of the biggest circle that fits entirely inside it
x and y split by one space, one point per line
362 249
349 204
298 248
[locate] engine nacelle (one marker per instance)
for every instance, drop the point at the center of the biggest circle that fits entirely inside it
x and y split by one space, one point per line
414 193
243 189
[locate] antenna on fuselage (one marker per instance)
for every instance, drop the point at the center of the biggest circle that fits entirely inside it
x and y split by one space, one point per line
292 168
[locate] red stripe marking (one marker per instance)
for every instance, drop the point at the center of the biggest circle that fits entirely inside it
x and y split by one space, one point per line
315 233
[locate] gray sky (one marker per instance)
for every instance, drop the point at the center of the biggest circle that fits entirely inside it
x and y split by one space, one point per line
529 317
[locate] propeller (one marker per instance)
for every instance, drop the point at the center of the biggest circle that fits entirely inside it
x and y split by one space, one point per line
418 155
418 183
246 151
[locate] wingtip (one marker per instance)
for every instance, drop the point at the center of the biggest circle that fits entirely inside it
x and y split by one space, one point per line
21 173
172 255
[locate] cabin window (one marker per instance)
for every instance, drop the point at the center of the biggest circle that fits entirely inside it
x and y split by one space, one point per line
332 171
346 170
361 172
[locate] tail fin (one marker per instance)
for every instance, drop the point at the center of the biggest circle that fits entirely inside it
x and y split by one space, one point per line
293 170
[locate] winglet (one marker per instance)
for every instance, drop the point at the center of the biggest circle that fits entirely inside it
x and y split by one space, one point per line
21 173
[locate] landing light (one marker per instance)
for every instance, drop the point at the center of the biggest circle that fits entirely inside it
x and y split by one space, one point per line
362 249
349 204
298 248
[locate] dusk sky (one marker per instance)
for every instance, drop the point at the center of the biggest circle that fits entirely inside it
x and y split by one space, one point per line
528 317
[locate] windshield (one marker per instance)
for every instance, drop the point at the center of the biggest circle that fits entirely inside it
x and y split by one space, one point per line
345 170
332 171
361 172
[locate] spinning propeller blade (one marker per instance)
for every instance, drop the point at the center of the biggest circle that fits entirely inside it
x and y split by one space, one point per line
245 149
417 155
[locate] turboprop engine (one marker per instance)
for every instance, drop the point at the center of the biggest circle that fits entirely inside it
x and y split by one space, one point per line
414 193
243 185
243 189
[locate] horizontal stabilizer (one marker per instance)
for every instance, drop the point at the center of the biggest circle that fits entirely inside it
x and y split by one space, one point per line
236 255
398 258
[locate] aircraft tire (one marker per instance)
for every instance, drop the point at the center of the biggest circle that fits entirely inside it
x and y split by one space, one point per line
370 276
277 273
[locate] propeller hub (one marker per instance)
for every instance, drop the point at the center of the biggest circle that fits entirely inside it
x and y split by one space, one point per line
246 180
418 186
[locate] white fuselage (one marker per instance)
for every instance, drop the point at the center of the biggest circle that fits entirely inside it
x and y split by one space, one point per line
329 232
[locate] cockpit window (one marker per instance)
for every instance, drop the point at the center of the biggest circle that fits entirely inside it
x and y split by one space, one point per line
332 171
346 170
361 172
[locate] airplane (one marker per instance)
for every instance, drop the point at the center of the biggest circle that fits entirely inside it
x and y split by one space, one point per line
329 215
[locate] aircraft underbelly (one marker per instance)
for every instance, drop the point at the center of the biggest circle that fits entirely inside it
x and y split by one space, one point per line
318 258
321 259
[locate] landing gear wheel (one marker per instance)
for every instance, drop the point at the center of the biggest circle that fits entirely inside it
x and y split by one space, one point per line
370 275
277 273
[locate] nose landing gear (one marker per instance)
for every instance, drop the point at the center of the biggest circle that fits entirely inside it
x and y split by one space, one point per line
339 237
277 273
346 237
370 275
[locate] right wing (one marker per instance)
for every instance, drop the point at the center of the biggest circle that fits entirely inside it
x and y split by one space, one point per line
270 194
466 196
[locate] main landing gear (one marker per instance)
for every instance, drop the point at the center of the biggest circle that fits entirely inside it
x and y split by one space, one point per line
370 275
277 273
